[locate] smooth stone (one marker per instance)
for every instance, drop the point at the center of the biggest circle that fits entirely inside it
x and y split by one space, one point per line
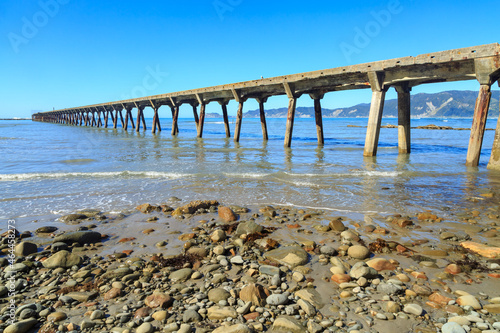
237 260
358 252
469 300
62 259
181 275
22 326
238 328
56 316
452 327
290 256
249 227
312 296
221 313
191 316
145 328
254 293
81 237
459 320
24 249
288 324
414 309
269 270
218 294
277 299
361 269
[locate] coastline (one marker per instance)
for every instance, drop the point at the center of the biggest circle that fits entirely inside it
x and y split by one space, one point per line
320 283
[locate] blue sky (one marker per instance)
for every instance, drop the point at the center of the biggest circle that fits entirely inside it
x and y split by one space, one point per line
68 53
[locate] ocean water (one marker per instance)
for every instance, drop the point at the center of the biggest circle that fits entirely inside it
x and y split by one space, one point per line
52 169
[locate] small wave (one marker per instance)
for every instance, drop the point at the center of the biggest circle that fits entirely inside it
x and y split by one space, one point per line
246 175
351 173
134 174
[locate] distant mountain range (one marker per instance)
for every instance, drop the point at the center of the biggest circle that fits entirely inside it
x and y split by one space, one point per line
447 104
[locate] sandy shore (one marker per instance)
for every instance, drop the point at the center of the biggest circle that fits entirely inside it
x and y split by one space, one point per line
202 267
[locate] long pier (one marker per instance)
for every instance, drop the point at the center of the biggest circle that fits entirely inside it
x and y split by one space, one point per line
481 63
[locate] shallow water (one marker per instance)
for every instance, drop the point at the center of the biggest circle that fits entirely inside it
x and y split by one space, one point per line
50 169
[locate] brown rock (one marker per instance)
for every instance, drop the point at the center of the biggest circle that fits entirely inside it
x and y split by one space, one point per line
186 237
251 316
142 312
147 208
254 293
381 264
337 225
193 206
158 300
419 275
434 253
112 293
340 278
226 214
492 308
439 299
453 269
422 290
56 316
454 309
148 231
426 216
481 249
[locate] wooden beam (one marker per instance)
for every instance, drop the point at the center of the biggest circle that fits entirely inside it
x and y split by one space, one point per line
239 119
226 119
201 120
376 108
175 117
478 125
292 104
263 124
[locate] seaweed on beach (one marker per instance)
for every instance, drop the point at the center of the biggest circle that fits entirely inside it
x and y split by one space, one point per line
469 264
383 246
230 228
178 261
88 286
259 235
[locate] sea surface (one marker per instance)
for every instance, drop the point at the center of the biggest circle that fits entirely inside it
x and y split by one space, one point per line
50 169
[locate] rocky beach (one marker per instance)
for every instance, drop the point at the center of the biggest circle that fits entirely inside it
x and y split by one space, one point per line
201 266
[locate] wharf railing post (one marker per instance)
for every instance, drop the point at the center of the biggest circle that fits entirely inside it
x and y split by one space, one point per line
262 112
404 118
290 119
376 80
494 163
318 116
223 105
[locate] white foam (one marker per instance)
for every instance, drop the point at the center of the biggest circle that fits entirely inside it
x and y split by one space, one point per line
245 175
136 174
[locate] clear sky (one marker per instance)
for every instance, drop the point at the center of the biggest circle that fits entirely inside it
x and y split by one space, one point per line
68 53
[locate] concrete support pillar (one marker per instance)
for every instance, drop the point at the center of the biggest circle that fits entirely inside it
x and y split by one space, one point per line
175 116
262 112
478 125
292 104
239 119
94 123
86 118
128 116
121 118
112 117
201 121
126 120
404 119
376 108
156 119
319 117
226 119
